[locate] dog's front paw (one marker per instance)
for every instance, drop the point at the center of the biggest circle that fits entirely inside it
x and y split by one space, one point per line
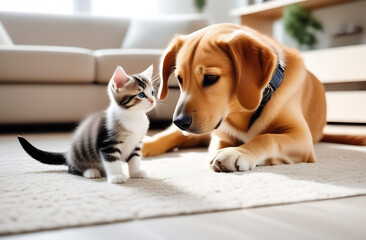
231 159
117 179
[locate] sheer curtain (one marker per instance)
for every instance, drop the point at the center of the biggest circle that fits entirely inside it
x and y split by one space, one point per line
93 7
124 7
38 6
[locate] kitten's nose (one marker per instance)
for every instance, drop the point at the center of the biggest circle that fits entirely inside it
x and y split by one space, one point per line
183 121
151 100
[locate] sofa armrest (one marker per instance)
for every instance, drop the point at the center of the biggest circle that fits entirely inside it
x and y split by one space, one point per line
23 63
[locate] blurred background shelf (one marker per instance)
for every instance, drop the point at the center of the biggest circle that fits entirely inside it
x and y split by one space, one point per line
261 16
340 69
343 74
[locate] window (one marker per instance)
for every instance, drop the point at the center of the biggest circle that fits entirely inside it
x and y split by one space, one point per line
38 6
95 7
124 8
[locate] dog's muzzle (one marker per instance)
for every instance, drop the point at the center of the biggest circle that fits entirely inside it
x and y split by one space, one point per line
183 121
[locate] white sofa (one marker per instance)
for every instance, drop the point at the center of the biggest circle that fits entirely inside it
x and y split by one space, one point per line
57 68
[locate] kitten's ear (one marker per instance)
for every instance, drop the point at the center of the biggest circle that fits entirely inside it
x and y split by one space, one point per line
148 72
120 78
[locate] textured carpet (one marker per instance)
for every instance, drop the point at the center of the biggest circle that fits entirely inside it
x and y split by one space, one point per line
36 197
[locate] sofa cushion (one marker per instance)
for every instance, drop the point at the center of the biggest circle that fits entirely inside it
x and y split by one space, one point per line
83 31
4 37
46 64
157 33
132 60
50 103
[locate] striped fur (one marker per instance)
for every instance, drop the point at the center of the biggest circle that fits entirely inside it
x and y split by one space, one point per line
106 138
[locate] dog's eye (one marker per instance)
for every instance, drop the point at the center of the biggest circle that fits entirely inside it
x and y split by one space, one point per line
180 79
210 79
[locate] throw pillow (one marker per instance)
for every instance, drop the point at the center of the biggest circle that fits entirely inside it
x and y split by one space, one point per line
155 33
4 37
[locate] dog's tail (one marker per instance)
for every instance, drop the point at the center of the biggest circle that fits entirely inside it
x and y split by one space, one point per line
345 139
42 156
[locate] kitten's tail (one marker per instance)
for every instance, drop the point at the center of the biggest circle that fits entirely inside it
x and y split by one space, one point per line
42 156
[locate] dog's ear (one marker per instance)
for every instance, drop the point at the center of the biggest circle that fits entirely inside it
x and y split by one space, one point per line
167 65
254 64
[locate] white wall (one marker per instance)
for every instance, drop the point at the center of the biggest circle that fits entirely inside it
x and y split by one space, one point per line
333 19
217 11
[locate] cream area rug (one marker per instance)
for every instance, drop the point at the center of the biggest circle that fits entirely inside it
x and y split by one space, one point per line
37 197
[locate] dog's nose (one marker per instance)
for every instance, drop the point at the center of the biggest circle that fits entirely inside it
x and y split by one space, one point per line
183 121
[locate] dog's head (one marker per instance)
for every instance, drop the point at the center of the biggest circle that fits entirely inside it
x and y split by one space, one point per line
216 67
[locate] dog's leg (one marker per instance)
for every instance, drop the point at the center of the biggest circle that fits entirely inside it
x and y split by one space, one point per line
266 149
218 143
169 139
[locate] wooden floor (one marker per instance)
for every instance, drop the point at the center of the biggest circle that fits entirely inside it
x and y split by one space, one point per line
330 219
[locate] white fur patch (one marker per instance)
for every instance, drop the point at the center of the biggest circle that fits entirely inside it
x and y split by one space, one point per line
114 172
214 145
134 121
134 168
91 173
230 130
117 179
138 174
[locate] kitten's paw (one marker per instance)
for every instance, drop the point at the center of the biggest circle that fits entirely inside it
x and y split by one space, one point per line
138 174
91 173
117 179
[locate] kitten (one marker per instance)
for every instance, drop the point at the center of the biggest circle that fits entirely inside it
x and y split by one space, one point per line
105 139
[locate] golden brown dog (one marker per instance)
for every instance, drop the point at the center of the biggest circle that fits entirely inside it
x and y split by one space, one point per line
223 71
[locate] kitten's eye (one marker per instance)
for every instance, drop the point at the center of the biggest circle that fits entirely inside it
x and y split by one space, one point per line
141 95
180 79
153 93
210 79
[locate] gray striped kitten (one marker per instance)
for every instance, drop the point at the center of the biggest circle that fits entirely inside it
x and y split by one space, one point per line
105 139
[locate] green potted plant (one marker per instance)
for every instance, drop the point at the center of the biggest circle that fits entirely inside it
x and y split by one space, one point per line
301 26
200 4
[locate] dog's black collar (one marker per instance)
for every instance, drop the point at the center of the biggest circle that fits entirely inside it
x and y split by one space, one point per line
269 90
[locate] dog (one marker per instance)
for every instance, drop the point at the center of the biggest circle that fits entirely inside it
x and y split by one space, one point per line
248 98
